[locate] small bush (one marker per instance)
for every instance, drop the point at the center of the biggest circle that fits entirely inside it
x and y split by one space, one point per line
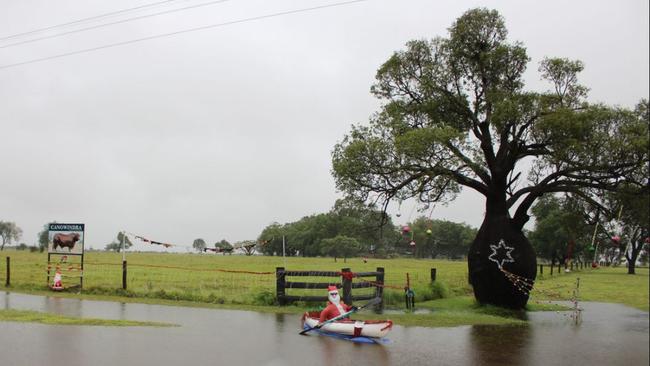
264 297
393 297
439 290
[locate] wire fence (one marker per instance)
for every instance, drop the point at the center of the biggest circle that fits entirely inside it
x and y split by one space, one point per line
237 280
193 281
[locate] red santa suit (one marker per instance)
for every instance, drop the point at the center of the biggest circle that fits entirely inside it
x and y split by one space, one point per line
335 306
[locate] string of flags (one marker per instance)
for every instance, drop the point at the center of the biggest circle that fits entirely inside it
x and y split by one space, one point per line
154 242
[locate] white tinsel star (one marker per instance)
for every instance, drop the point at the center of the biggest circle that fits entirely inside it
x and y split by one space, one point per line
501 254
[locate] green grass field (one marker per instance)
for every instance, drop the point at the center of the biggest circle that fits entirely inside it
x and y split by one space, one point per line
196 280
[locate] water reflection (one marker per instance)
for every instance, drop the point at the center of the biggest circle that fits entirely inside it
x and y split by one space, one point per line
279 322
503 345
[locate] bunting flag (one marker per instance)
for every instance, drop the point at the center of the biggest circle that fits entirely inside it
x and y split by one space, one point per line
149 241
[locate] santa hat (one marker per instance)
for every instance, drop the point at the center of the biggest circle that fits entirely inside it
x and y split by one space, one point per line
332 288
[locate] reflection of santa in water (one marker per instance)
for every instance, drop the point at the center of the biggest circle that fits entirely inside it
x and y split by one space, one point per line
57 280
335 307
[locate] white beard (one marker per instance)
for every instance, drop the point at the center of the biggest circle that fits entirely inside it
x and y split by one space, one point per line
337 302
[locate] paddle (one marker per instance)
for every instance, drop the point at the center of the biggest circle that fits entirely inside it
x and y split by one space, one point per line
374 301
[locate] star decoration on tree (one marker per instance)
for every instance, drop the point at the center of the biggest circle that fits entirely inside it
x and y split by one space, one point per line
501 254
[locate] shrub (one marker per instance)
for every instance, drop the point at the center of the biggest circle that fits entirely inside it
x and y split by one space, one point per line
264 297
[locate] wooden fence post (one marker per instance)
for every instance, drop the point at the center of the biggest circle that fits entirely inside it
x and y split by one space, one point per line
433 275
551 269
379 289
8 283
280 279
347 286
124 275
541 269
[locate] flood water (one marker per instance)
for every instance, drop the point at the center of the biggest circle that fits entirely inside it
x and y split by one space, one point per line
609 334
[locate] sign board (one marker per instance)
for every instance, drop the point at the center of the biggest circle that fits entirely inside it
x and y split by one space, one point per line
66 239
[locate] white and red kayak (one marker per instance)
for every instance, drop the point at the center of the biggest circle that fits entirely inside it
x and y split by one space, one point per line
348 327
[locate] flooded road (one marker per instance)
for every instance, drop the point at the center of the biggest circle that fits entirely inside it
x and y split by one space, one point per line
610 334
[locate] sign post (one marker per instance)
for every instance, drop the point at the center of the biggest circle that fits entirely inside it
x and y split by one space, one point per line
65 242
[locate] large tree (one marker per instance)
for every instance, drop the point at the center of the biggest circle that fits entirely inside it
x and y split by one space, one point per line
561 231
340 246
455 114
627 224
636 224
440 238
44 237
9 232
199 244
121 242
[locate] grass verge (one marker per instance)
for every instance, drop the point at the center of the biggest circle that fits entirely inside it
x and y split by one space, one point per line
55 319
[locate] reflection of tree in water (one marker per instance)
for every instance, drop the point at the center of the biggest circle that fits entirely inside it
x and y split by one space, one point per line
500 345
279 322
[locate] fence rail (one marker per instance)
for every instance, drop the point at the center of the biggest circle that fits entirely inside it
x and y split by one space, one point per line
345 283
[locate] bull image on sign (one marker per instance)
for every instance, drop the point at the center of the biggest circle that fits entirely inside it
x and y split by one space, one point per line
66 238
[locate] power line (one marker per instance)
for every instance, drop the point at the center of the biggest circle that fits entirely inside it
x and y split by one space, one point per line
113 23
87 19
182 31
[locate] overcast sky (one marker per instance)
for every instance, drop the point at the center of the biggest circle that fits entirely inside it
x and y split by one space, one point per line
219 132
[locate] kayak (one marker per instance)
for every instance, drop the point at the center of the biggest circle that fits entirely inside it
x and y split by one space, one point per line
360 339
349 328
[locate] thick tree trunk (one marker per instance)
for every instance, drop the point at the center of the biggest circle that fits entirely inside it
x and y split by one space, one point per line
500 242
631 261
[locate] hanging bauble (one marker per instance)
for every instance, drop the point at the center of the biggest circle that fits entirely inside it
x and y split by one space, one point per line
398 214
591 248
616 239
412 243
406 229
647 240
429 232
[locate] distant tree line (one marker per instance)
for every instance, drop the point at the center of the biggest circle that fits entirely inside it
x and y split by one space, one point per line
352 228
613 230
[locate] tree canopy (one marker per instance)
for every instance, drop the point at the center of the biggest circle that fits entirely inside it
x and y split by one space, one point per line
43 237
561 230
439 238
199 244
347 218
340 246
9 232
456 114
121 241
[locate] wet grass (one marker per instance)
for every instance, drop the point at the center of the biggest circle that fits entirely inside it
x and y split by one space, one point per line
605 284
197 281
55 319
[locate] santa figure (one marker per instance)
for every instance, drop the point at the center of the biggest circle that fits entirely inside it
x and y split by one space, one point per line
335 306
57 280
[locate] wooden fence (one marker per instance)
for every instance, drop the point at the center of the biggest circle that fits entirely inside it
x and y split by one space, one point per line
345 283
560 267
